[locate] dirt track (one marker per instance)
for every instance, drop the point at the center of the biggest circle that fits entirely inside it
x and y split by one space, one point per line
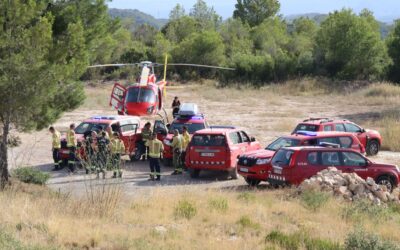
264 115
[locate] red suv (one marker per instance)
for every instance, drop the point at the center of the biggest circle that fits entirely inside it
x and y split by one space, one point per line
217 148
253 165
294 165
128 127
371 139
193 123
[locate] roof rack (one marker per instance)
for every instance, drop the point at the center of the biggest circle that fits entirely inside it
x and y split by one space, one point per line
222 127
315 119
329 145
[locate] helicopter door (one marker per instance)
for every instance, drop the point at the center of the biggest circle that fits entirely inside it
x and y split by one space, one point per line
118 97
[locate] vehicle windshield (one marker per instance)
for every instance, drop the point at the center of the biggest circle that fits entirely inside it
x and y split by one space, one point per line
283 142
306 127
138 94
208 140
282 158
88 126
192 127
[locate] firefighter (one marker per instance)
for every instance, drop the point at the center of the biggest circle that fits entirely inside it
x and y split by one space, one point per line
102 154
177 143
146 135
91 149
56 145
155 149
117 149
176 105
185 143
71 145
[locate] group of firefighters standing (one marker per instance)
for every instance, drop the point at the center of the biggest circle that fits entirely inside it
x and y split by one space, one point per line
101 152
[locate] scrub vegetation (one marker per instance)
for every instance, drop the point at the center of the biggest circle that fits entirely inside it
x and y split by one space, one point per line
38 218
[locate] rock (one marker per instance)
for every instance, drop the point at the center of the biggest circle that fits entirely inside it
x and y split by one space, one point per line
358 189
342 190
370 181
381 195
377 201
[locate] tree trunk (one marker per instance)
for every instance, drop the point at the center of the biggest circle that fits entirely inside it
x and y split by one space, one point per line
4 156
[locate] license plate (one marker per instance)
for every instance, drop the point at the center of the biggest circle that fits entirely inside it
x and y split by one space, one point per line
207 154
277 171
244 170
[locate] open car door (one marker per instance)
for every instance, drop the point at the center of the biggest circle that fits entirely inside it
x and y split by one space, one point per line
117 99
160 129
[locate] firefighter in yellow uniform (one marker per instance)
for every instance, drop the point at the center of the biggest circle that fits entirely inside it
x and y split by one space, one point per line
155 149
56 145
146 135
185 142
117 149
71 144
177 143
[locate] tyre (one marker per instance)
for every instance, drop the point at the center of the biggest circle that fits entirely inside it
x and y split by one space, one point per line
372 147
252 182
233 174
194 173
385 181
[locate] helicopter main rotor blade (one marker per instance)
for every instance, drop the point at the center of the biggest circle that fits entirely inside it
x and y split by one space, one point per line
113 65
195 65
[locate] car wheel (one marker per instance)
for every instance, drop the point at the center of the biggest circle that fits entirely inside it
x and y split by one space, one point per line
252 182
194 173
385 181
373 147
233 174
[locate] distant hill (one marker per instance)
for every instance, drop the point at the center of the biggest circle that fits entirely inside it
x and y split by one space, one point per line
138 16
318 18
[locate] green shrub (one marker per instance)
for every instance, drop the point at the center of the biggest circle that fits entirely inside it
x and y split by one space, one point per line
359 239
185 209
313 199
300 240
364 208
246 222
220 204
30 175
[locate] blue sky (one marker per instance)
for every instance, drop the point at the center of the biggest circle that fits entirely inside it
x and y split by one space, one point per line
384 9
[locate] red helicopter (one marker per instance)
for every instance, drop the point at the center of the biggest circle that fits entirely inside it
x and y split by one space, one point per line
144 98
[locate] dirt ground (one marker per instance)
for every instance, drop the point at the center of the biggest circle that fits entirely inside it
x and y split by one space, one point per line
263 114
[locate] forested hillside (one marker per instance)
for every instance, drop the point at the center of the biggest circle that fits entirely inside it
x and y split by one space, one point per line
262 46
137 16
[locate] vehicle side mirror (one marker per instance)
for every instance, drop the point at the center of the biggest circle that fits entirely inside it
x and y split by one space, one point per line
252 139
362 130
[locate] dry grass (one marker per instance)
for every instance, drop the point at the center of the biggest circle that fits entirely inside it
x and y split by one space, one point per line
222 219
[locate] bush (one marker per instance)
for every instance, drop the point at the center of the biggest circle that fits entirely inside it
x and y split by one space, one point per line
246 222
360 239
364 208
185 209
299 241
219 204
30 175
313 199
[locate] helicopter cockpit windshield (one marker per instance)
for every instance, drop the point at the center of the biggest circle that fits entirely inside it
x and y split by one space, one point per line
137 95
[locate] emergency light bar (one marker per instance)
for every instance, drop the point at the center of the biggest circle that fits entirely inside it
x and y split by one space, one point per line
103 117
307 133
